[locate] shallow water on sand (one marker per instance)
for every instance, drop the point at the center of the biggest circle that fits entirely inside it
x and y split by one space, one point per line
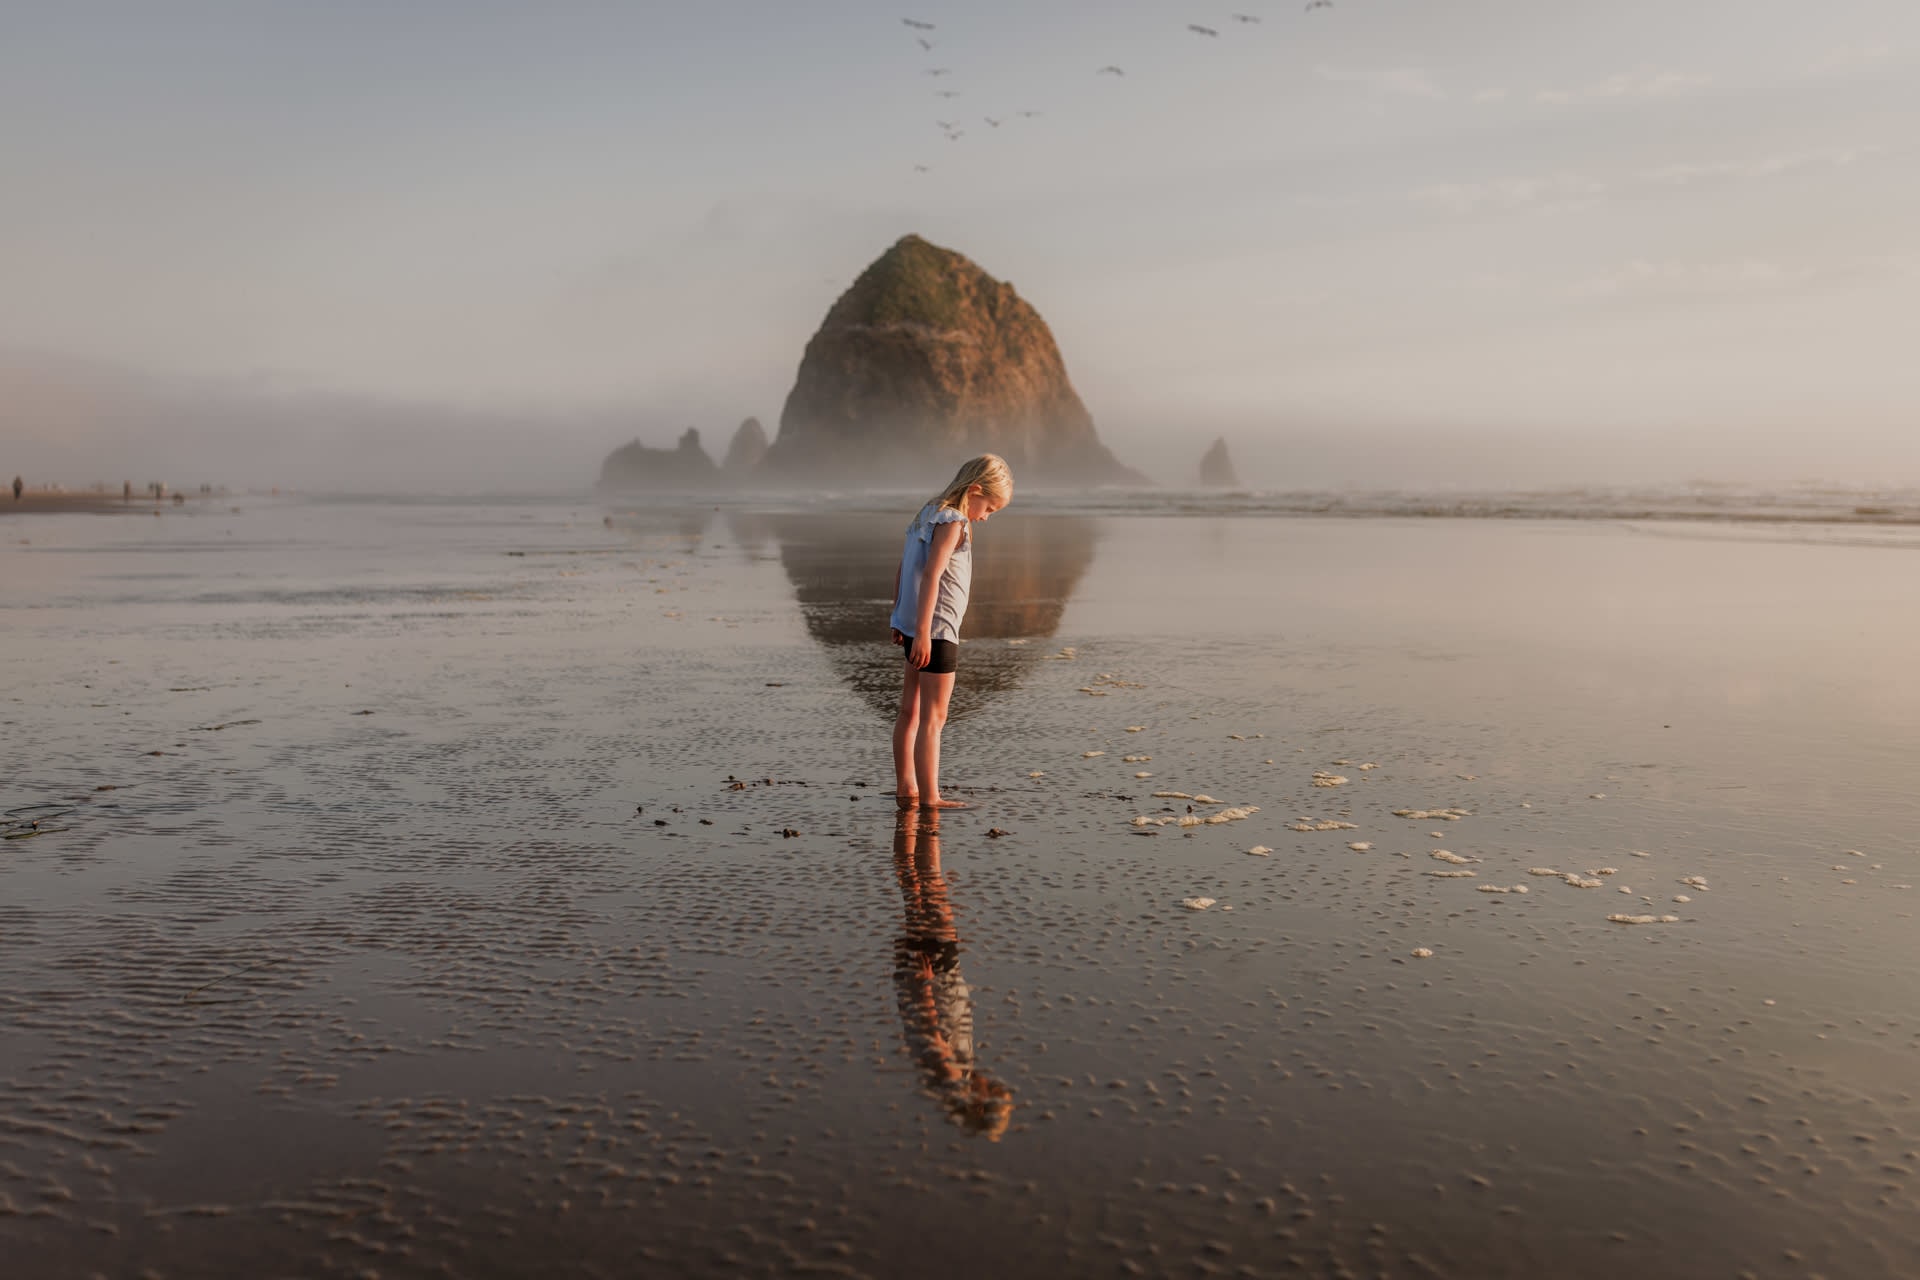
425 905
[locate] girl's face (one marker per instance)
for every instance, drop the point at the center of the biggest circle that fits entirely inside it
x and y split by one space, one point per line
979 505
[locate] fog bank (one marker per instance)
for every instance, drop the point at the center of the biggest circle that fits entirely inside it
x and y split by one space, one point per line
75 423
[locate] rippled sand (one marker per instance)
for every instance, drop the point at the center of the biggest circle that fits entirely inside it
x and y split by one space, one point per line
453 889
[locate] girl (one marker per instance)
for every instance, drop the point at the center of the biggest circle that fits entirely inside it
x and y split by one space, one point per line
929 599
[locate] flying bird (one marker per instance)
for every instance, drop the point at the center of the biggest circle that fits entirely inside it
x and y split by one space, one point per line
1028 115
920 168
1318 4
1199 30
1246 17
990 120
954 135
916 25
939 71
945 124
1109 71
946 93
925 43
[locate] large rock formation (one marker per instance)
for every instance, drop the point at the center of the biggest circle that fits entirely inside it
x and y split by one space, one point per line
635 466
1216 468
748 446
924 362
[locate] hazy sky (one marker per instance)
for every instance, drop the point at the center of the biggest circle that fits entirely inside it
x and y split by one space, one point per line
1690 226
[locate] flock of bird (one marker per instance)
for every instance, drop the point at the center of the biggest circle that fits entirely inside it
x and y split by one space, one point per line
951 129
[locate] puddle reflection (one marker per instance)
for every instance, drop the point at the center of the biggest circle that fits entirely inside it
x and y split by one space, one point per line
936 1005
842 566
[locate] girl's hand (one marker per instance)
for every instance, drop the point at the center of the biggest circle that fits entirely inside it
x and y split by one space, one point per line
897 637
919 653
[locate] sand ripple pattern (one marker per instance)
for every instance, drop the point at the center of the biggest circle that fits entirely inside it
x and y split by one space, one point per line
538 907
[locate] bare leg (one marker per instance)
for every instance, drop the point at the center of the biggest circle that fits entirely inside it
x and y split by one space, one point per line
906 788
935 690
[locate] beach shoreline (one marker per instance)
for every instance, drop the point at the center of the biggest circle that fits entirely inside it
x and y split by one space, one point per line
43 502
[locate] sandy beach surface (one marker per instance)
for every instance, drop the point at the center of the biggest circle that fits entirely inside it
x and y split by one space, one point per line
37 502
493 889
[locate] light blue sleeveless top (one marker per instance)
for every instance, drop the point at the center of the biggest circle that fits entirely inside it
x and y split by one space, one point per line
955 581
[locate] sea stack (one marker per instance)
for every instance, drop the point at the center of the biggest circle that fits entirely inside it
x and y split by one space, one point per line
744 451
635 466
925 361
1216 468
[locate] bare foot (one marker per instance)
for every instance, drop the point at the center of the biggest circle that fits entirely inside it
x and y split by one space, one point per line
939 803
906 800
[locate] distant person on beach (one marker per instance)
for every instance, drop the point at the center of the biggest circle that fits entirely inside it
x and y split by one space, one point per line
18 485
929 600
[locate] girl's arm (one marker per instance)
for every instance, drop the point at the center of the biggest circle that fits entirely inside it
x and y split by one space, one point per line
939 550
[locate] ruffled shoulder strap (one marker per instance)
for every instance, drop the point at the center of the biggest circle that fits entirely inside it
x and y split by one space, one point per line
930 516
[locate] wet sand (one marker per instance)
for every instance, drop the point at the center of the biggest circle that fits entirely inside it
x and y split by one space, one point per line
42 502
425 902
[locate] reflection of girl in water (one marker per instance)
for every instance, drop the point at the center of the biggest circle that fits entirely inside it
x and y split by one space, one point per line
935 1005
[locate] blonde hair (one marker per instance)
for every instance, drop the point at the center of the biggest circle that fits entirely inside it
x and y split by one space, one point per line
990 471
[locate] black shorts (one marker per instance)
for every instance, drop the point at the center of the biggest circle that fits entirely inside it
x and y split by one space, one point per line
943 661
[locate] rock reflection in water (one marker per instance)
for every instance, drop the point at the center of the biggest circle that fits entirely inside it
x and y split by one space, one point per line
936 1005
1025 568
